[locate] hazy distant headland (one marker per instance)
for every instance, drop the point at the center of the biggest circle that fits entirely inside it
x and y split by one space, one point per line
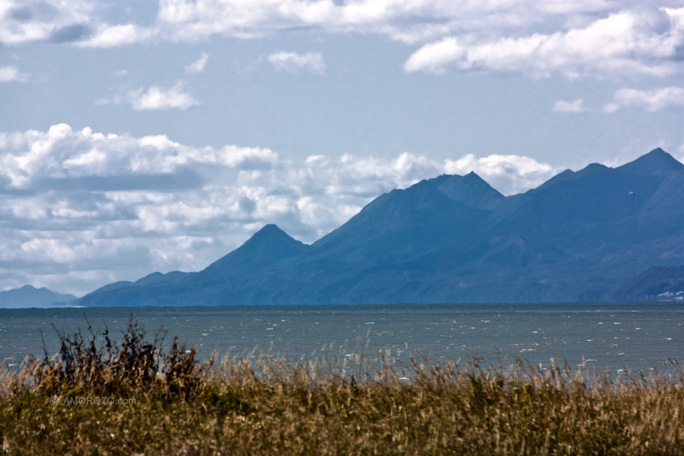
28 296
598 234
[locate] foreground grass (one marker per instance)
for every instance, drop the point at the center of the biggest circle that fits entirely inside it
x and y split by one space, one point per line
134 397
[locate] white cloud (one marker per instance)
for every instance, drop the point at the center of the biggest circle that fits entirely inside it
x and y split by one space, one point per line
156 98
198 65
294 63
120 74
408 21
593 38
650 100
569 107
109 36
25 21
82 208
508 173
626 42
12 74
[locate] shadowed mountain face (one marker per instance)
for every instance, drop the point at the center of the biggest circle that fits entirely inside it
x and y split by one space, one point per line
580 236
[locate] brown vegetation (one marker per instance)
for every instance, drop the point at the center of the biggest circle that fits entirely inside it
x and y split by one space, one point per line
98 396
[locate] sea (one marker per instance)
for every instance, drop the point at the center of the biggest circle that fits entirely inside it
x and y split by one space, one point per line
625 337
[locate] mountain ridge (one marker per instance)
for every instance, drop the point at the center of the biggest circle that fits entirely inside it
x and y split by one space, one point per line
579 236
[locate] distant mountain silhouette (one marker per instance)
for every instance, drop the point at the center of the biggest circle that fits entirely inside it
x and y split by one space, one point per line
28 296
581 236
654 284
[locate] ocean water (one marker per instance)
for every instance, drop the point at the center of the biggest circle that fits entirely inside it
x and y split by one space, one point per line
601 337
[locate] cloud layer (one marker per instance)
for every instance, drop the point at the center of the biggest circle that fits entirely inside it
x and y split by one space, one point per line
81 208
627 42
23 21
589 38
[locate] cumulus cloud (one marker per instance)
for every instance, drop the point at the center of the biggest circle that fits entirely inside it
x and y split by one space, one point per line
81 208
12 74
159 98
110 36
569 107
198 65
650 100
293 63
407 21
626 42
23 21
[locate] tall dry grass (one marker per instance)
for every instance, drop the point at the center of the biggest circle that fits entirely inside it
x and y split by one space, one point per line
159 400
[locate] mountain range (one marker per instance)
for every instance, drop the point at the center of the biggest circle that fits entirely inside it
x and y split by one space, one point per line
598 234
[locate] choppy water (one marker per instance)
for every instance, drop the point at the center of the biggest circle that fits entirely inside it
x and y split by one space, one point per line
634 336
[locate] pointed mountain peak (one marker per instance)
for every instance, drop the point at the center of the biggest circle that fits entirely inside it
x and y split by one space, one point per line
470 190
270 235
269 244
656 161
270 230
474 179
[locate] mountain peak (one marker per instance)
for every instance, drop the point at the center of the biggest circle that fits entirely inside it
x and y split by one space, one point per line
656 161
268 245
470 190
273 241
270 229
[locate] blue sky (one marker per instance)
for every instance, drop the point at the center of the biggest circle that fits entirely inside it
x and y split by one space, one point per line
140 136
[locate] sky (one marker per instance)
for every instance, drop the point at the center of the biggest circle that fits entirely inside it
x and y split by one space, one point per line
140 135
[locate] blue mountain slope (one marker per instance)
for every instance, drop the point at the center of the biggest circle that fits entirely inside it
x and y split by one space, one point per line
577 211
155 278
401 224
579 236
